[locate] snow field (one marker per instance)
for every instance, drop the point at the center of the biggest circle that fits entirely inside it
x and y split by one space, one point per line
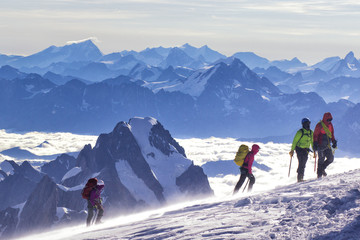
326 208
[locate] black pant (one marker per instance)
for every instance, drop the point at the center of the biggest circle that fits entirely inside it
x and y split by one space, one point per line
323 164
302 155
91 210
244 173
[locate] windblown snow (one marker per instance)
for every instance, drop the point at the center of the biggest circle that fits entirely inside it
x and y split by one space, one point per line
325 208
278 207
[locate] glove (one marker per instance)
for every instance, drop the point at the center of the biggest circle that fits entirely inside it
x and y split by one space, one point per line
251 175
334 144
316 145
291 153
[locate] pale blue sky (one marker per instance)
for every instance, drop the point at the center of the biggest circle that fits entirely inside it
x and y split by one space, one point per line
275 29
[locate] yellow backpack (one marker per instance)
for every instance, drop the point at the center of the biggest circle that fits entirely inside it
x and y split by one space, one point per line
241 154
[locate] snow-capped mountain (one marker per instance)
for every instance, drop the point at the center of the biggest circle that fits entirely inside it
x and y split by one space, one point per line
85 51
224 93
349 66
141 152
232 75
141 164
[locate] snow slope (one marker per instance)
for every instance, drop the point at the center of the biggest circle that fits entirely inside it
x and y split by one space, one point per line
278 207
325 208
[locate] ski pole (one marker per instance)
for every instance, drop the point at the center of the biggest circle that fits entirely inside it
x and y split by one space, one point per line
246 185
315 164
290 166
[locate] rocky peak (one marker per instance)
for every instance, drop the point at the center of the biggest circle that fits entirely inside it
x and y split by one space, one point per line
28 171
25 170
57 168
86 160
40 209
121 145
350 57
194 182
162 140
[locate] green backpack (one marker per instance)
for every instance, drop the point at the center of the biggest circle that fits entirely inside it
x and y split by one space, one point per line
241 154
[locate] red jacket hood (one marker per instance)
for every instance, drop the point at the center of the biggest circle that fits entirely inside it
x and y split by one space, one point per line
255 148
326 117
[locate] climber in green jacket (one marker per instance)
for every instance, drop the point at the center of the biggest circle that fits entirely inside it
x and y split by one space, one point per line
301 144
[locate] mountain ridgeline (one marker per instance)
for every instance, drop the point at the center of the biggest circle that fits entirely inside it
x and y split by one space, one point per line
140 163
196 92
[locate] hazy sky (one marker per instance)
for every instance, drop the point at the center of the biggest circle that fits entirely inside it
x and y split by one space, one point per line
275 29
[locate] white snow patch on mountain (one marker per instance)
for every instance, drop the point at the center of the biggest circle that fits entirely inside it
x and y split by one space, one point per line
195 84
60 212
165 168
265 98
75 188
72 172
135 185
352 67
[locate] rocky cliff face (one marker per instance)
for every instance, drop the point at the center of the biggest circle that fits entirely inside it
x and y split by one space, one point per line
139 162
40 209
194 182
57 168
17 186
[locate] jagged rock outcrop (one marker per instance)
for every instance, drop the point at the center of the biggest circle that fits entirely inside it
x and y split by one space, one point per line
194 182
139 163
39 211
56 169
17 186
162 140
121 145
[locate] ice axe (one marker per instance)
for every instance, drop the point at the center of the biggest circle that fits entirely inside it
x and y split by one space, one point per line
246 185
290 166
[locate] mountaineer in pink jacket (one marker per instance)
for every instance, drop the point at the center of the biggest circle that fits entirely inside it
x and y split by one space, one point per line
246 169
94 202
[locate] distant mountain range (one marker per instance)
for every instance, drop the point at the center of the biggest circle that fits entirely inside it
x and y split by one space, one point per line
194 91
84 61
